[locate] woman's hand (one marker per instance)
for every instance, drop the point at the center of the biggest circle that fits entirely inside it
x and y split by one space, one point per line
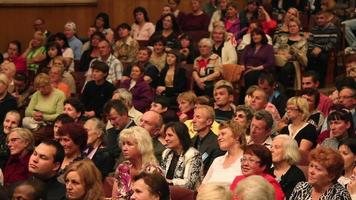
160 89
183 117
200 83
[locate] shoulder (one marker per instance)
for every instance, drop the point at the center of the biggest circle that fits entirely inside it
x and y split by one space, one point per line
191 152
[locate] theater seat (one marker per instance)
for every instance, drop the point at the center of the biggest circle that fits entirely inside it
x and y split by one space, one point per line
180 193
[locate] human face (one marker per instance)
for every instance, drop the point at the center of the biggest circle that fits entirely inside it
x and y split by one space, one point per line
90 32
11 121
42 163
130 149
308 83
16 144
75 186
93 134
240 118
123 32
52 52
23 192
98 75
141 191
310 100
257 38
318 176
37 40
60 42
293 112
172 4
194 5
250 165
19 85
258 101
104 49
149 121
158 47
171 59
218 35
70 148
277 150
293 28
56 127
338 128
140 17
226 139
204 50
184 106
185 43
200 120
222 97
291 12
38 25
157 107
6 70
143 56
258 130
223 4
95 41
252 7
347 98
264 85
69 33
55 74
321 20
99 22
12 50
167 23
71 111
348 156
136 73
118 121
172 140
166 10
45 90
231 12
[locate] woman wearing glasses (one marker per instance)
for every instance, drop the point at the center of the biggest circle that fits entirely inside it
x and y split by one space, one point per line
257 160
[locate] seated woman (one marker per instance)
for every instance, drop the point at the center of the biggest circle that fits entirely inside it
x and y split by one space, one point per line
186 104
167 27
21 143
9 69
326 166
347 150
22 90
158 56
243 116
187 49
142 29
138 154
141 91
150 186
56 74
67 52
250 13
182 163
35 53
14 55
246 38
219 14
67 75
257 58
289 48
232 21
231 138
257 160
92 52
126 47
83 181
73 138
172 79
207 69
341 128
102 25
305 134
285 156
75 109
283 28
52 50
223 45
96 150
58 123
45 105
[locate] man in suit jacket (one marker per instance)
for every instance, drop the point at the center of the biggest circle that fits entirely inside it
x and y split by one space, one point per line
205 140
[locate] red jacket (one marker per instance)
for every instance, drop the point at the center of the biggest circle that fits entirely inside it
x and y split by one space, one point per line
16 169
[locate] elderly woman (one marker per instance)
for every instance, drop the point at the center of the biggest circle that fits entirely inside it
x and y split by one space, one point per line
304 133
222 46
14 55
96 150
138 154
290 48
45 105
347 150
7 101
73 138
182 163
141 91
83 181
35 53
102 25
142 29
207 69
231 138
324 169
126 47
285 156
21 143
257 160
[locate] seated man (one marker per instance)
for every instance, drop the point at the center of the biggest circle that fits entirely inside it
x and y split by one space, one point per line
260 129
323 38
260 102
223 96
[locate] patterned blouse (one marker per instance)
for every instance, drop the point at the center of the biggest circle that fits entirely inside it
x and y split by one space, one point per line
189 169
303 190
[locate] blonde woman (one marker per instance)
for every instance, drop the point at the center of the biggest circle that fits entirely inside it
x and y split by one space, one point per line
35 52
138 154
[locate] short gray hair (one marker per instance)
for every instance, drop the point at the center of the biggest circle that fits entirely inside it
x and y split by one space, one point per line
124 96
25 135
290 149
206 41
254 187
72 26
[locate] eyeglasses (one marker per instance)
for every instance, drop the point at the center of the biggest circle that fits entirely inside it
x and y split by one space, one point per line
292 109
249 160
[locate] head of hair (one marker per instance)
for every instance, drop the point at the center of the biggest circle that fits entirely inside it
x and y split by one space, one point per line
25 135
344 115
125 96
16 114
313 74
162 100
247 110
75 132
301 104
117 105
158 39
219 26
143 142
312 92
157 184
21 77
41 36
258 31
101 66
350 143
61 36
98 34
262 152
105 18
266 117
237 130
267 77
204 100
233 4
55 45
227 87
209 111
59 155
139 66
36 185
206 41
177 54
212 191
123 26
4 79
188 96
141 10
72 26
175 26
345 82
254 187
181 130
148 50
99 126
290 149
330 159
295 20
17 44
90 176
75 103
42 79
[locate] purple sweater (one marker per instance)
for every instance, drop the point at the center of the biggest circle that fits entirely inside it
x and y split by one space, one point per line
264 56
